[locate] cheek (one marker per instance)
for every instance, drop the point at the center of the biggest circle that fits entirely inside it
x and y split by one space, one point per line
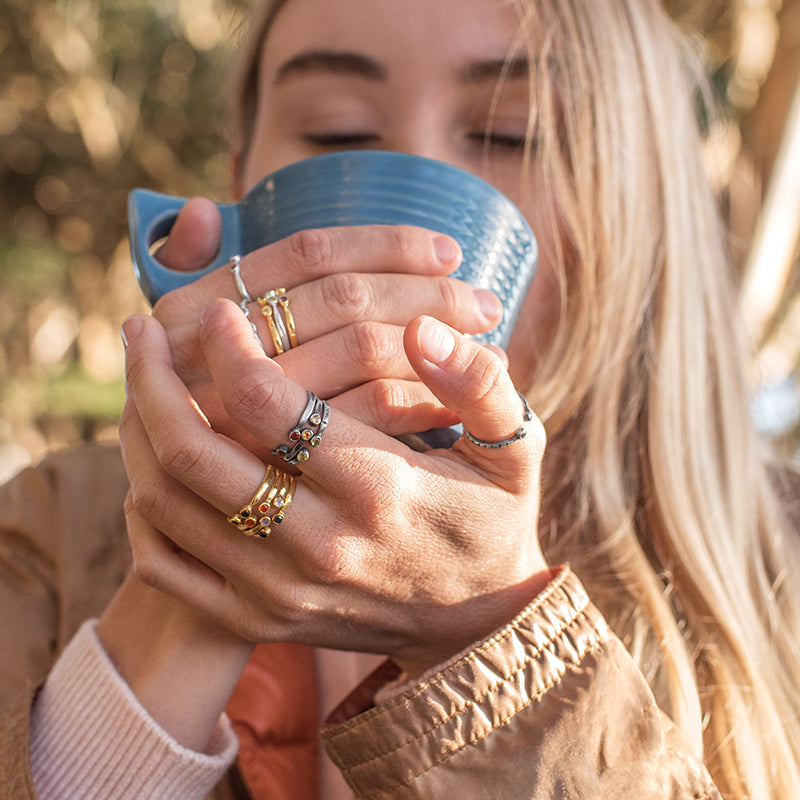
539 318
536 326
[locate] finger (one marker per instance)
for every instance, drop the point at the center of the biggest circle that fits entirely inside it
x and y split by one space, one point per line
473 382
182 519
311 254
185 446
185 547
336 301
352 304
394 407
258 396
329 364
159 563
194 238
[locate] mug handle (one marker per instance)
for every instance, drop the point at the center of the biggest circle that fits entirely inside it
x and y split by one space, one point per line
151 216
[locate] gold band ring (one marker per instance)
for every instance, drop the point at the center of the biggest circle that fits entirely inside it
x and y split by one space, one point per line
275 491
274 306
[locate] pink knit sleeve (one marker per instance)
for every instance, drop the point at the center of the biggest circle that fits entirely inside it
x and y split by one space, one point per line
90 737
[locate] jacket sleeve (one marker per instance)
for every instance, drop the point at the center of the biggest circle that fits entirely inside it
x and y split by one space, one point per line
63 552
551 706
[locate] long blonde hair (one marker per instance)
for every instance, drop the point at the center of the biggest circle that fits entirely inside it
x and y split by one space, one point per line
655 486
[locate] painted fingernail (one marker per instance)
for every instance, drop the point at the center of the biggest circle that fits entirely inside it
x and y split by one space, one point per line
489 305
446 249
131 328
436 341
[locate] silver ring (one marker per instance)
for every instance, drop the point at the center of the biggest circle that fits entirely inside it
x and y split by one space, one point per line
519 433
307 433
236 271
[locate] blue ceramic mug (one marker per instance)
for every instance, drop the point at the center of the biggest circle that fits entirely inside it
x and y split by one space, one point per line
359 188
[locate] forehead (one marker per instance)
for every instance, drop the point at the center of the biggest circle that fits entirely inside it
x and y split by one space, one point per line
425 33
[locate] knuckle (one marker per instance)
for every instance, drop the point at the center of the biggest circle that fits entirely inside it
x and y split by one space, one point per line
247 395
148 570
404 242
388 402
339 561
350 296
287 609
149 500
372 344
312 249
180 452
481 376
380 504
331 566
449 294
168 307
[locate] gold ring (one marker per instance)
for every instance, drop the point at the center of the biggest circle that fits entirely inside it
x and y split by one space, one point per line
246 519
274 306
267 506
278 499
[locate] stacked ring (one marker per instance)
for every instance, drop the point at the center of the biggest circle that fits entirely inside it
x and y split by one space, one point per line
236 271
267 506
275 309
307 432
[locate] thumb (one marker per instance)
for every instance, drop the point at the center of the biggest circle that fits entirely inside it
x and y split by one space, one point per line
194 239
473 382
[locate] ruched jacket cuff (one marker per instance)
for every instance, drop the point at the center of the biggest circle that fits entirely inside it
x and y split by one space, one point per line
551 705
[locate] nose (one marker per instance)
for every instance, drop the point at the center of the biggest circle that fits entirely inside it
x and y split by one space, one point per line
424 131
430 145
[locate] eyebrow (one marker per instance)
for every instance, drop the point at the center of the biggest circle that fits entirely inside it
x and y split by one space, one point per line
337 63
482 71
358 65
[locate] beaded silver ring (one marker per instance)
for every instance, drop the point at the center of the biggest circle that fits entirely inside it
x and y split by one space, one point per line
307 433
236 271
519 433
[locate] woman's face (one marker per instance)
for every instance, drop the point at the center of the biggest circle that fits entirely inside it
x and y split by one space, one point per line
427 77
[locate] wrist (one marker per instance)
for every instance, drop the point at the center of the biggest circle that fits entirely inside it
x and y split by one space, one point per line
496 611
181 666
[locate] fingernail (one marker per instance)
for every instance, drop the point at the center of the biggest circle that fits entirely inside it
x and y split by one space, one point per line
131 328
489 305
446 249
436 341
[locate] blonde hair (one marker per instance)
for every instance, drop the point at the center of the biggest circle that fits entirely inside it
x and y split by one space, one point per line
655 485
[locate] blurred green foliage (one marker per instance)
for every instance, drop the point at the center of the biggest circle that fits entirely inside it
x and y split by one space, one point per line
96 97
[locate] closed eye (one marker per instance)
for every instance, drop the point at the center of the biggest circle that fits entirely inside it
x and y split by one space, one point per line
341 140
500 141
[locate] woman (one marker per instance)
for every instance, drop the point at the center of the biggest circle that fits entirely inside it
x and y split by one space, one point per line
653 485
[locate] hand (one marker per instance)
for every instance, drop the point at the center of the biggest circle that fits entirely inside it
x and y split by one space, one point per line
351 290
383 549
